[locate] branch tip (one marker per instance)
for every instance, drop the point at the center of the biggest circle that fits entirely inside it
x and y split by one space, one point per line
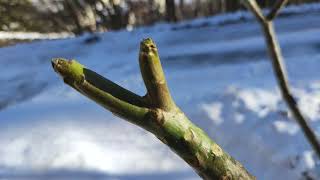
111 96
154 79
68 69
148 48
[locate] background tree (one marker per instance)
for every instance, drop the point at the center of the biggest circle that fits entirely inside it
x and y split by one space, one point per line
79 16
171 15
22 15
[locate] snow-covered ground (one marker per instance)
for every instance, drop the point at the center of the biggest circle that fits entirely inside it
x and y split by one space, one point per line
219 75
33 35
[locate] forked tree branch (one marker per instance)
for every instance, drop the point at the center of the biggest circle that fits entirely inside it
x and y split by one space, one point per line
275 9
253 6
156 113
279 67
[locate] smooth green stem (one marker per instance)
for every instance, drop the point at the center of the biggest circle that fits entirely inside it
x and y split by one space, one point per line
158 92
118 100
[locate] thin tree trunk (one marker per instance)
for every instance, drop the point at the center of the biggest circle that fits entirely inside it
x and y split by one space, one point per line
171 15
181 9
76 16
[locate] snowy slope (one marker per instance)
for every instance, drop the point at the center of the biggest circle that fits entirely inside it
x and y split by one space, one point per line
218 74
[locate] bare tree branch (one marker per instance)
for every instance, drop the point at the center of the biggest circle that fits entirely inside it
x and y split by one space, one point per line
275 9
281 75
280 70
253 6
106 93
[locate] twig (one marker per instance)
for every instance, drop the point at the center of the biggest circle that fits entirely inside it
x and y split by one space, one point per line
157 90
281 75
253 6
280 70
108 94
275 9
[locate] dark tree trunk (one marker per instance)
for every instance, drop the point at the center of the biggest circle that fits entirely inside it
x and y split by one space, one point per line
232 5
171 15
197 8
213 6
75 14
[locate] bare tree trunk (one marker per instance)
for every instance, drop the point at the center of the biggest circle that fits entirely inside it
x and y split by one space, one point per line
232 5
213 7
171 15
223 6
197 8
82 14
89 14
181 9
117 16
73 9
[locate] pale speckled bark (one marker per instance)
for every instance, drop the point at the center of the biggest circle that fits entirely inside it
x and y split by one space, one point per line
156 112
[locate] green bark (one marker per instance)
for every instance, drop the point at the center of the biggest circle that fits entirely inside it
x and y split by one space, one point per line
156 112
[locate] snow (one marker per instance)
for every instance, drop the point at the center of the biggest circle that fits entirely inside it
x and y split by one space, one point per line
309 103
308 158
258 100
214 111
286 127
34 35
219 75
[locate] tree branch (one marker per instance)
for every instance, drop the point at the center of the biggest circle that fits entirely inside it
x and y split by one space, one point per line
160 117
157 90
281 76
280 70
253 6
275 9
118 100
